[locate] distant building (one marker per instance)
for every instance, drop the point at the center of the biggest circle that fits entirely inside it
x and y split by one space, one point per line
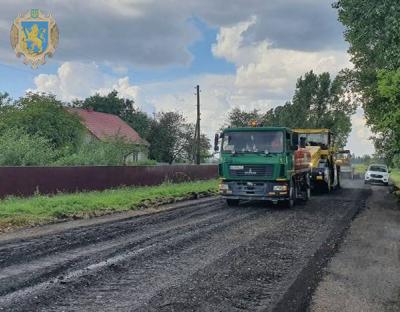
103 127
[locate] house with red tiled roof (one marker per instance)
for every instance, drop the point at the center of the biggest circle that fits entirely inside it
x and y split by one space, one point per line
103 127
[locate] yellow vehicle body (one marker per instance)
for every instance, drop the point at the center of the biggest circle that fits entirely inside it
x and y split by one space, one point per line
325 170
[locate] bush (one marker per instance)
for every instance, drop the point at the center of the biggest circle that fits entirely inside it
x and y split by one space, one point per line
43 115
18 148
148 162
98 153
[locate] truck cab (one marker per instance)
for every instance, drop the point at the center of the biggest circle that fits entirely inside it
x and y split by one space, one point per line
258 163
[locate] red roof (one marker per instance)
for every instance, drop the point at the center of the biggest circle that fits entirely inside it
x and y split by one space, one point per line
104 126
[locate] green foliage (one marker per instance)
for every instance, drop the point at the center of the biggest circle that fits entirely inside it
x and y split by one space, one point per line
5 100
18 148
166 137
395 178
396 161
172 139
45 209
43 115
238 118
372 29
318 102
111 153
147 162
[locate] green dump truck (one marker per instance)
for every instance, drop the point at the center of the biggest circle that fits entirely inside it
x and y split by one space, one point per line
262 163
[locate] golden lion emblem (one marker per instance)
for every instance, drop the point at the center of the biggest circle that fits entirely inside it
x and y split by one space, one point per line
34 36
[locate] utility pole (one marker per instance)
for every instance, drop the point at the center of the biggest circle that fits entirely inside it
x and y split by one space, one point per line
197 132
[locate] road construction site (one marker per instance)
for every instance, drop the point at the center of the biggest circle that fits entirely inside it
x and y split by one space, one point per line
198 255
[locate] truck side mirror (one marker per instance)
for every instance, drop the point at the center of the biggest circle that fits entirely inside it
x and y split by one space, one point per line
295 138
216 141
302 142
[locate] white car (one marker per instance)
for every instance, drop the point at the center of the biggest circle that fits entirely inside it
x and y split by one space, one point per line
377 173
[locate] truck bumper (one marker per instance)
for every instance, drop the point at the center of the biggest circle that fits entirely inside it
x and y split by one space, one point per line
254 190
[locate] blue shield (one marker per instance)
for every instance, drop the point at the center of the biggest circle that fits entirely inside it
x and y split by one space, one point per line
35 36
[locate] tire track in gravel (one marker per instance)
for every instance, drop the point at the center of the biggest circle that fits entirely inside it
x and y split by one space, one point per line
205 257
218 219
14 251
22 275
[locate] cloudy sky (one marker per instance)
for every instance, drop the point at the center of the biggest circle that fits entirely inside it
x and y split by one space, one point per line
243 53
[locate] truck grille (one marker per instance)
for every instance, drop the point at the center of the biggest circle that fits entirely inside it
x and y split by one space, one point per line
252 171
376 176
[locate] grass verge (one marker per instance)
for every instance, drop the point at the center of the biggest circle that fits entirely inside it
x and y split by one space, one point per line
395 177
40 209
360 168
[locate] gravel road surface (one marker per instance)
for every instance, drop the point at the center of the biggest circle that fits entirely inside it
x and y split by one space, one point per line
204 256
364 275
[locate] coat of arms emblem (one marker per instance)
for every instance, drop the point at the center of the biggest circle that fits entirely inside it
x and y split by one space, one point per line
34 35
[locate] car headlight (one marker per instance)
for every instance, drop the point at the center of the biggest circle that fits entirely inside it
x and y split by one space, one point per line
280 188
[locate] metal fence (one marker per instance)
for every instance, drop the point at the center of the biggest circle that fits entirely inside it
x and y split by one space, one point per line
26 181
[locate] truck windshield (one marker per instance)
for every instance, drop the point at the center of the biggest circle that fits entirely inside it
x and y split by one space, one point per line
315 139
253 142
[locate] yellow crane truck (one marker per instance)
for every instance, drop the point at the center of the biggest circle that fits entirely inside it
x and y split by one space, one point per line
325 172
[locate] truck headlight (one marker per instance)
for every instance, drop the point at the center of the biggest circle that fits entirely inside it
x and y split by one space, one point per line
280 188
223 187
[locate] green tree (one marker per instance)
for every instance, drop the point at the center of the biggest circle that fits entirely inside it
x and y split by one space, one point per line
318 102
172 139
18 148
190 142
5 100
166 137
239 118
42 115
372 29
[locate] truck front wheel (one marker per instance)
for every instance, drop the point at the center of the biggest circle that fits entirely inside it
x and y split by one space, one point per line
232 202
290 202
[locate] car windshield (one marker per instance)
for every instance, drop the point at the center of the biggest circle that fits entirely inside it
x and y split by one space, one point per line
377 168
253 142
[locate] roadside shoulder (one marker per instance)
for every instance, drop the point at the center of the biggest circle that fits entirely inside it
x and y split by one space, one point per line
364 275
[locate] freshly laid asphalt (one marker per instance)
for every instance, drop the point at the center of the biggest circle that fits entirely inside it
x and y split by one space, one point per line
203 256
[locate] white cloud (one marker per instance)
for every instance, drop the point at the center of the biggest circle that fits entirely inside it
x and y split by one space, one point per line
359 142
75 80
264 70
152 33
265 77
229 40
124 88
